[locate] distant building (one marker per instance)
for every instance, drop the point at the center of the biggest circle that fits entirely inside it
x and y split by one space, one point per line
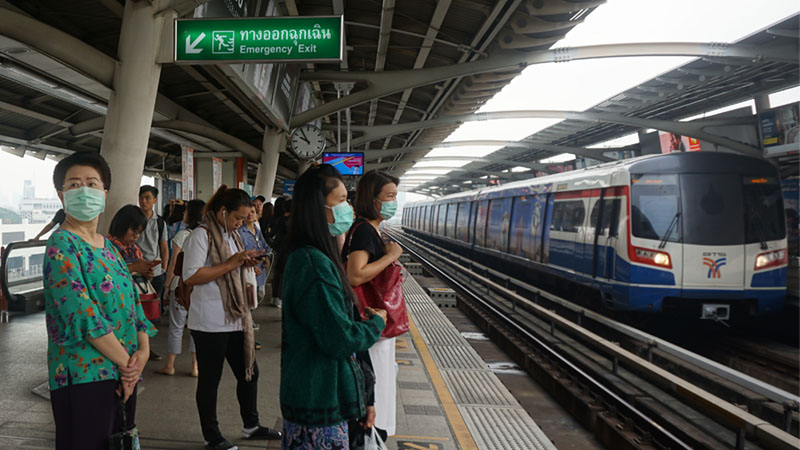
37 210
28 190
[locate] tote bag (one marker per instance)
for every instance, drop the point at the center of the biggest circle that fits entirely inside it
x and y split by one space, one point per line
148 297
385 291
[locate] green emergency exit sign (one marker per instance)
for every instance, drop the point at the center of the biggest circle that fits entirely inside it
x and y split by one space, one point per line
259 39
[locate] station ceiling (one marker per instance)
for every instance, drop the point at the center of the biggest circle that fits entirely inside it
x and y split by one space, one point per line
45 105
41 100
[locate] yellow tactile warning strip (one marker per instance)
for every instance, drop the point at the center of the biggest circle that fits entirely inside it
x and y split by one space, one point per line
460 431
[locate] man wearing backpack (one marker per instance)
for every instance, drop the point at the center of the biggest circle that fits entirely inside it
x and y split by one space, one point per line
153 241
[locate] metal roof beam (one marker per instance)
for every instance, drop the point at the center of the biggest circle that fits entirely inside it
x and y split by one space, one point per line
691 129
425 49
587 152
386 83
532 166
387 16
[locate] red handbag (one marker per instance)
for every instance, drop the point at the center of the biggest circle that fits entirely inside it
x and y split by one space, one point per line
148 297
385 291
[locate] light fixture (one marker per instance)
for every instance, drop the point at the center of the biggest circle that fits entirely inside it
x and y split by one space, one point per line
17 151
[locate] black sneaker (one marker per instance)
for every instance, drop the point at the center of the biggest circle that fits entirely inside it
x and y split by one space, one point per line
222 445
260 432
154 356
258 345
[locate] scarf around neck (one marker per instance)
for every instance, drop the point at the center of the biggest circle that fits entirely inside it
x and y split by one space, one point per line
233 287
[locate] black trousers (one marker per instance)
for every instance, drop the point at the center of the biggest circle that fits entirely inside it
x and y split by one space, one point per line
212 351
158 284
87 414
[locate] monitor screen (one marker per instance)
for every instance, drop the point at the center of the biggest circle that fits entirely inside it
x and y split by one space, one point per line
345 163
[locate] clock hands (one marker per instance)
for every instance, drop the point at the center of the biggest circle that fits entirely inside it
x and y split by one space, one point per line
303 134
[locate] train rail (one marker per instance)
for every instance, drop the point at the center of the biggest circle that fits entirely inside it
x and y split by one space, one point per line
623 397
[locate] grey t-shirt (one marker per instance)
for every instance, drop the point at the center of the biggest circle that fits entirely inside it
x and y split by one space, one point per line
149 243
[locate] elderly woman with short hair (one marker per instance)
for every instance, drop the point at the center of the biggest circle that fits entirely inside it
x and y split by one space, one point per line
98 336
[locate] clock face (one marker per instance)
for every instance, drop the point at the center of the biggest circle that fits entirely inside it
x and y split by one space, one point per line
308 142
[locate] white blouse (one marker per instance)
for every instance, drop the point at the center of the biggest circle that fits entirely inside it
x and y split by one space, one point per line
206 312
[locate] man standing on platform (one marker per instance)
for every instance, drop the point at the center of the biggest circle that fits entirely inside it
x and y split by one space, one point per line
153 241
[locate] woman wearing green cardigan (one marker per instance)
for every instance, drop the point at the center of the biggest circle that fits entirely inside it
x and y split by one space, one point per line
322 385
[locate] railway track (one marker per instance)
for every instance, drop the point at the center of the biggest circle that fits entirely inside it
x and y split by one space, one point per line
608 375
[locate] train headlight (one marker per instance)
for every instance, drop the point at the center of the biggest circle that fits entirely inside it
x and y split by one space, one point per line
770 259
652 257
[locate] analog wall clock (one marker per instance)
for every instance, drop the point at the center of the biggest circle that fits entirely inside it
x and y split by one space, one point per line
307 142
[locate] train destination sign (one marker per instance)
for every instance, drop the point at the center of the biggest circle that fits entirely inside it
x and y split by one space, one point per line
259 39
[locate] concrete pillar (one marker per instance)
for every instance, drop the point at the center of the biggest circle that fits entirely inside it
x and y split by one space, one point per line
762 102
272 145
130 108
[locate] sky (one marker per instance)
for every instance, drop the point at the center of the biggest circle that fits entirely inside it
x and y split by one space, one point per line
579 85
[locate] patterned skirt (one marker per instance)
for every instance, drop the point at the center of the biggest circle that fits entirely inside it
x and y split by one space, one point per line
301 437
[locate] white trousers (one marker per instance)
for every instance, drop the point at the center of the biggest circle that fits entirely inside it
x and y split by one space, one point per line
383 361
177 322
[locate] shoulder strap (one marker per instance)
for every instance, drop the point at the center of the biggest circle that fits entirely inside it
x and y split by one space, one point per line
160 223
350 234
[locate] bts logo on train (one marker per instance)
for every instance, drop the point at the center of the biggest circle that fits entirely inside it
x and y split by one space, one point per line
713 267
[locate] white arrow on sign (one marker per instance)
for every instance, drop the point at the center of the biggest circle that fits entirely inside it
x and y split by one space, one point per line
191 47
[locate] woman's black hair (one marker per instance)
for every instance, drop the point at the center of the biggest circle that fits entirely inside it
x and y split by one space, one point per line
280 207
369 187
230 199
308 224
90 159
173 213
267 212
129 217
194 213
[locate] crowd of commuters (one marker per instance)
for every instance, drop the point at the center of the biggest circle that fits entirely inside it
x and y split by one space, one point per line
210 264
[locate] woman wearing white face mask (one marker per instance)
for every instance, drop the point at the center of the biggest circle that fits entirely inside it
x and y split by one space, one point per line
322 383
98 336
214 264
366 256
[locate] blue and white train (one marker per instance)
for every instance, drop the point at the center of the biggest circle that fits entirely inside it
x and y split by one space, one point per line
698 231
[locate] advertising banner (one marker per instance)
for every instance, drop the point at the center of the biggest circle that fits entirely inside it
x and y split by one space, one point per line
779 130
672 142
187 173
216 170
246 187
288 187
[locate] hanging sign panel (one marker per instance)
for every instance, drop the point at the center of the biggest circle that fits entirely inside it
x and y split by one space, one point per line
187 173
255 39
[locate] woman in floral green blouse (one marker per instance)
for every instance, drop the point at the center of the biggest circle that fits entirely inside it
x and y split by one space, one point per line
98 336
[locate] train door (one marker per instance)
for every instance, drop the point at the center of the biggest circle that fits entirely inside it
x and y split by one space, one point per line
480 223
520 224
547 219
604 221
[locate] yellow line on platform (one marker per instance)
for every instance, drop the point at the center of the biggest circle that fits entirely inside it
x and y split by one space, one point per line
424 438
462 434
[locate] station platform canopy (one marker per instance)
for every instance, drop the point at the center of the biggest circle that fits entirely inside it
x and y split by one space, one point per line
692 89
57 63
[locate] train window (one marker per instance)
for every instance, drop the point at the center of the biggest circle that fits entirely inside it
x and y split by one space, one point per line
763 205
441 215
712 209
610 216
568 216
654 206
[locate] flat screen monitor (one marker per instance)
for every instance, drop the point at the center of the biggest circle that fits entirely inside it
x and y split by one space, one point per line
345 163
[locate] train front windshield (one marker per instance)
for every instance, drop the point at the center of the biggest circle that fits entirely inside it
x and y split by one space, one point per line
707 209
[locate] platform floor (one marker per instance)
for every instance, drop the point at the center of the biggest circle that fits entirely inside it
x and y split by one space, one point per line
447 397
